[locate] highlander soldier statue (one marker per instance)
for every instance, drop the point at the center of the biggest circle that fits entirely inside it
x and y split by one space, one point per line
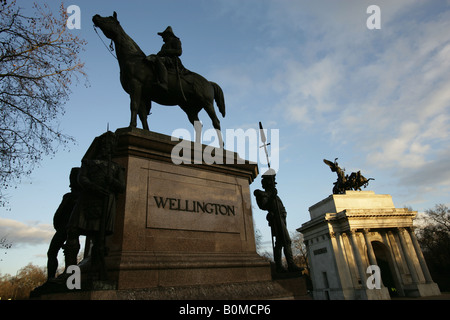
101 180
60 221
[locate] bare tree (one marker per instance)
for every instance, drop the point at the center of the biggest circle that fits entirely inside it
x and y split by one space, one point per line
433 233
299 250
4 244
39 59
19 286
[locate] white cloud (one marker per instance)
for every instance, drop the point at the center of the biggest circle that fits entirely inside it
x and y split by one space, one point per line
384 93
395 104
19 233
434 173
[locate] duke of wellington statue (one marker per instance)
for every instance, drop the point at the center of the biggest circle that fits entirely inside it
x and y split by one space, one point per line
163 229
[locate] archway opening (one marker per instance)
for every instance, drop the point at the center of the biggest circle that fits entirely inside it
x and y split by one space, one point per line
384 262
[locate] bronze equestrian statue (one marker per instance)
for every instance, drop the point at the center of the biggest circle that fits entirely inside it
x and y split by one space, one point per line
161 78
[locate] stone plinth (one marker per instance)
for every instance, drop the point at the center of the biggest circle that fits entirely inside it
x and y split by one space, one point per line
359 200
182 224
348 233
285 289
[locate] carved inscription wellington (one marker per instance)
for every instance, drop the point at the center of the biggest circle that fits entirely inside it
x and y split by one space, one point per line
194 206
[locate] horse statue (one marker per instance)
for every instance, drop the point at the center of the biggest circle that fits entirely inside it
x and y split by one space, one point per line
356 180
189 90
345 182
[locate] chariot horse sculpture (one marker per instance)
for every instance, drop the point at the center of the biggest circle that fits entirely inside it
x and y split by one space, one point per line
139 79
345 182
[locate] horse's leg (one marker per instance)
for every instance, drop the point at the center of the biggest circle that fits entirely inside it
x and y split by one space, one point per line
133 109
193 118
135 104
143 118
215 122
143 112
198 130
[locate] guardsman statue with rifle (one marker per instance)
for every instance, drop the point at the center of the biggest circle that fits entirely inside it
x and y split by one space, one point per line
269 200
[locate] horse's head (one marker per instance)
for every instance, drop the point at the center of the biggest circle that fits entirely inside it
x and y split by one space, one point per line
109 25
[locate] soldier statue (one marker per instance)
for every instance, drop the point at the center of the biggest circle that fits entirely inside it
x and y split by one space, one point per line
60 221
268 200
101 180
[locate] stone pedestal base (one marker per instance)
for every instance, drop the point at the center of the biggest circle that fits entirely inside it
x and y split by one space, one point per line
286 289
181 221
423 290
183 228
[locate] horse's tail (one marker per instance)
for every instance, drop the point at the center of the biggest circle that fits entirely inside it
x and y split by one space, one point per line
219 98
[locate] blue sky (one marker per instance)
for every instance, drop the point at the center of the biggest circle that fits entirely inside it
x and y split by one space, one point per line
379 100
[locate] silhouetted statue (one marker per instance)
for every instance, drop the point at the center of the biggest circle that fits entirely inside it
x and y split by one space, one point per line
345 182
60 221
168 58
143 78
101 180
268 200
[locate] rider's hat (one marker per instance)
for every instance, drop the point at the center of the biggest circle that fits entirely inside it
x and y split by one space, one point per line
166 32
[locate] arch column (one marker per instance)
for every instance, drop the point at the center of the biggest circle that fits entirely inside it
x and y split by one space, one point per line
343 266
423 263
405 250
389 241
357 255
370 252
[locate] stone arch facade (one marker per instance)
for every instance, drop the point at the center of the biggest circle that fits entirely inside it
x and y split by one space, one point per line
344 237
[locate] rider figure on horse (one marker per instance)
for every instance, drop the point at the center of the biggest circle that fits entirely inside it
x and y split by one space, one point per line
168 57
